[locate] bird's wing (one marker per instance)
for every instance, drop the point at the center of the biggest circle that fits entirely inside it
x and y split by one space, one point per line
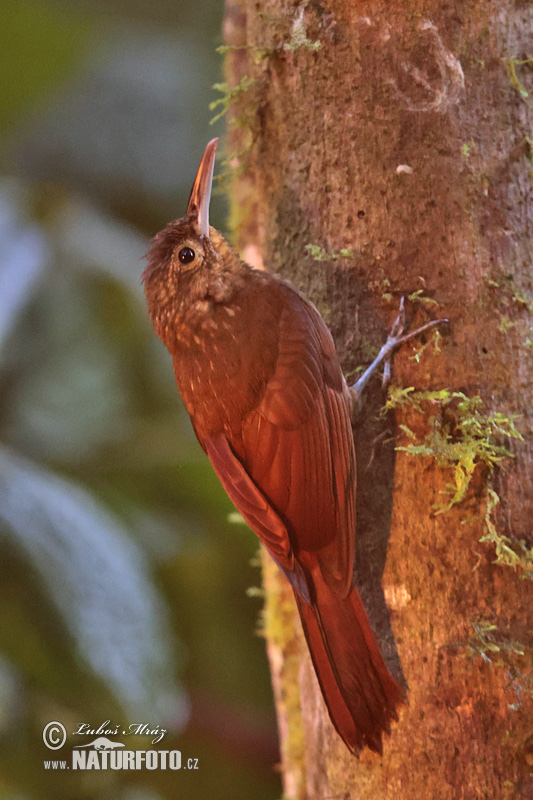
291 473
256 510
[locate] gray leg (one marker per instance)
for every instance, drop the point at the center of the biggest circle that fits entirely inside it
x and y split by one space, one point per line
394 339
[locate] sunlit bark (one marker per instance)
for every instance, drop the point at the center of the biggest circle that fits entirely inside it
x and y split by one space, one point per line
379 150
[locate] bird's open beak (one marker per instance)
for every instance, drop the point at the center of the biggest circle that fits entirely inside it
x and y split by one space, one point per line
201 191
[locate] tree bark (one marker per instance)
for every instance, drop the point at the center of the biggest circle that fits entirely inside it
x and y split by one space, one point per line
380 150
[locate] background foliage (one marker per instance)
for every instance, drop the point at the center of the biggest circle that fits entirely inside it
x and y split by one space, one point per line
123 581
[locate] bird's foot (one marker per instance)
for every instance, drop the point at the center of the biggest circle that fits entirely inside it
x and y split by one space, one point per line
395 338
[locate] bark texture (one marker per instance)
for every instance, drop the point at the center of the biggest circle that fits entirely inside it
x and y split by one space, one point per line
380 149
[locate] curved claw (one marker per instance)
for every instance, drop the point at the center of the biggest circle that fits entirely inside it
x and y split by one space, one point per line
399 323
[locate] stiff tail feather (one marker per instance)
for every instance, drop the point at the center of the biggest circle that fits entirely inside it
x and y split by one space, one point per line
360 693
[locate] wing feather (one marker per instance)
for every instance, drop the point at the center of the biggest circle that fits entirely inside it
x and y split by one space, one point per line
291 473
257 511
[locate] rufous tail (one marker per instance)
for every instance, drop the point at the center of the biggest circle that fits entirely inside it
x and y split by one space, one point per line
360 693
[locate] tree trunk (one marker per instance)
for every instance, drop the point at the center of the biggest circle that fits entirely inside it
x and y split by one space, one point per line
379 150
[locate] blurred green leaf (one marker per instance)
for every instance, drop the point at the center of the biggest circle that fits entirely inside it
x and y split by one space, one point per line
105 593
40 46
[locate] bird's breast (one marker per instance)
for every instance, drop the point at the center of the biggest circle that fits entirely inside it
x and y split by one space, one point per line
223 360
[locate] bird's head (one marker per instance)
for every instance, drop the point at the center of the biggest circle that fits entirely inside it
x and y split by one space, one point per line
188 259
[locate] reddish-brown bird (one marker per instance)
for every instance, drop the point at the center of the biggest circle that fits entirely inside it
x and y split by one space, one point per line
257 371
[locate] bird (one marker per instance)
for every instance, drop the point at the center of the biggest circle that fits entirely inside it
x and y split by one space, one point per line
259 376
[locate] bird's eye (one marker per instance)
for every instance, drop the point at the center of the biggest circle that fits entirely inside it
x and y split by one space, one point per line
186 255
